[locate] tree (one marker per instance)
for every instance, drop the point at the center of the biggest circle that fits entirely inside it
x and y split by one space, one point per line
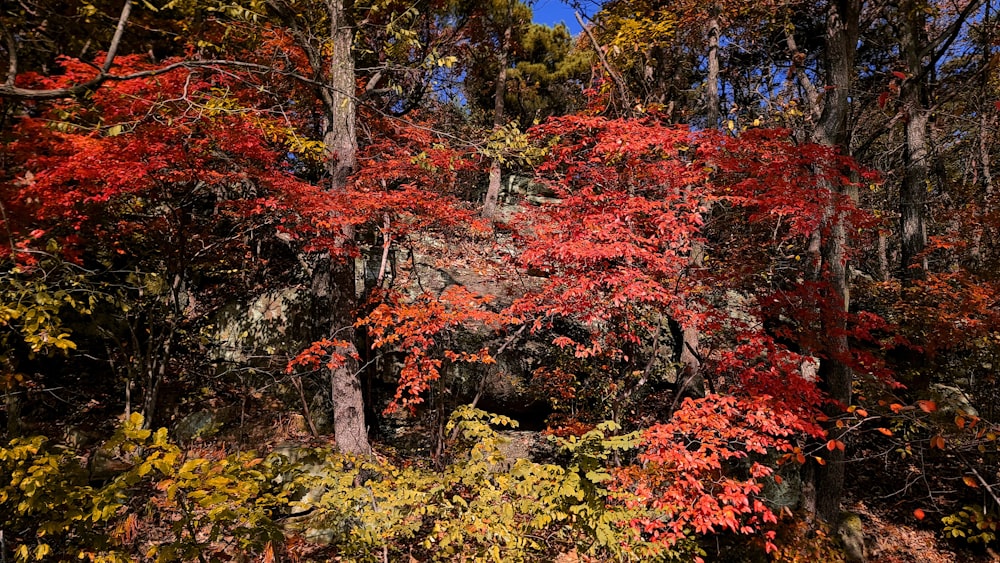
179 197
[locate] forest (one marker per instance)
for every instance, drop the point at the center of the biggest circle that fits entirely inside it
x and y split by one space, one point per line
424 280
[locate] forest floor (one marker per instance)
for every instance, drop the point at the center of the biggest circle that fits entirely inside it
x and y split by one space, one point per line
892 540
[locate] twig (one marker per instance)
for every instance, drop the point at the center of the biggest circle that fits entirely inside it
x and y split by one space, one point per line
297 383
987 486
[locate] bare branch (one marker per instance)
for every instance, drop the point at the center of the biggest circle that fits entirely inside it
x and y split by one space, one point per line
984 483
109 59
812 95
9 91
607 66
936 48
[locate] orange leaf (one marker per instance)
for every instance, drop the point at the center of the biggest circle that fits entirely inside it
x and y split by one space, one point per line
819 460
960 421
778 479
861 413
885 431
895 408
831 445
937 442
918 514
927 406
970 481
800 458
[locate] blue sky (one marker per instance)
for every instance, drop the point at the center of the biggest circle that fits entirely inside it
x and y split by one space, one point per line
551 12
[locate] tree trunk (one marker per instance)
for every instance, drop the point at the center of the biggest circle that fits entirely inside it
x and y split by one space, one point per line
987 121
713 113
842 27
493 191
691 335
913 191
334 286
12 402
340 138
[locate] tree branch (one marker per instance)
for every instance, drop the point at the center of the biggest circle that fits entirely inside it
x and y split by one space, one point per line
945 39
812 94
116 40
9 91
604 62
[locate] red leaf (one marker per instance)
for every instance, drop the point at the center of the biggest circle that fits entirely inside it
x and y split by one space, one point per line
899 75
919 514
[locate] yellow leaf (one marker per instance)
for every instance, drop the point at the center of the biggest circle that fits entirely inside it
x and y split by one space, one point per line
970 481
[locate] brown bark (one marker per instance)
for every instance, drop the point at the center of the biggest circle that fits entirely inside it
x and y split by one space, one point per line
986 117
712 80
691 335
340 137
842 28
493 191
335 288
913 191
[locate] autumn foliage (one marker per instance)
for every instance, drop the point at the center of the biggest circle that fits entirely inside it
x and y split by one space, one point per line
667 303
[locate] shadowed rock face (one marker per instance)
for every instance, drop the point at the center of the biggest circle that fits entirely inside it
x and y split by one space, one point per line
203 423
271 323
850 531
951 401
